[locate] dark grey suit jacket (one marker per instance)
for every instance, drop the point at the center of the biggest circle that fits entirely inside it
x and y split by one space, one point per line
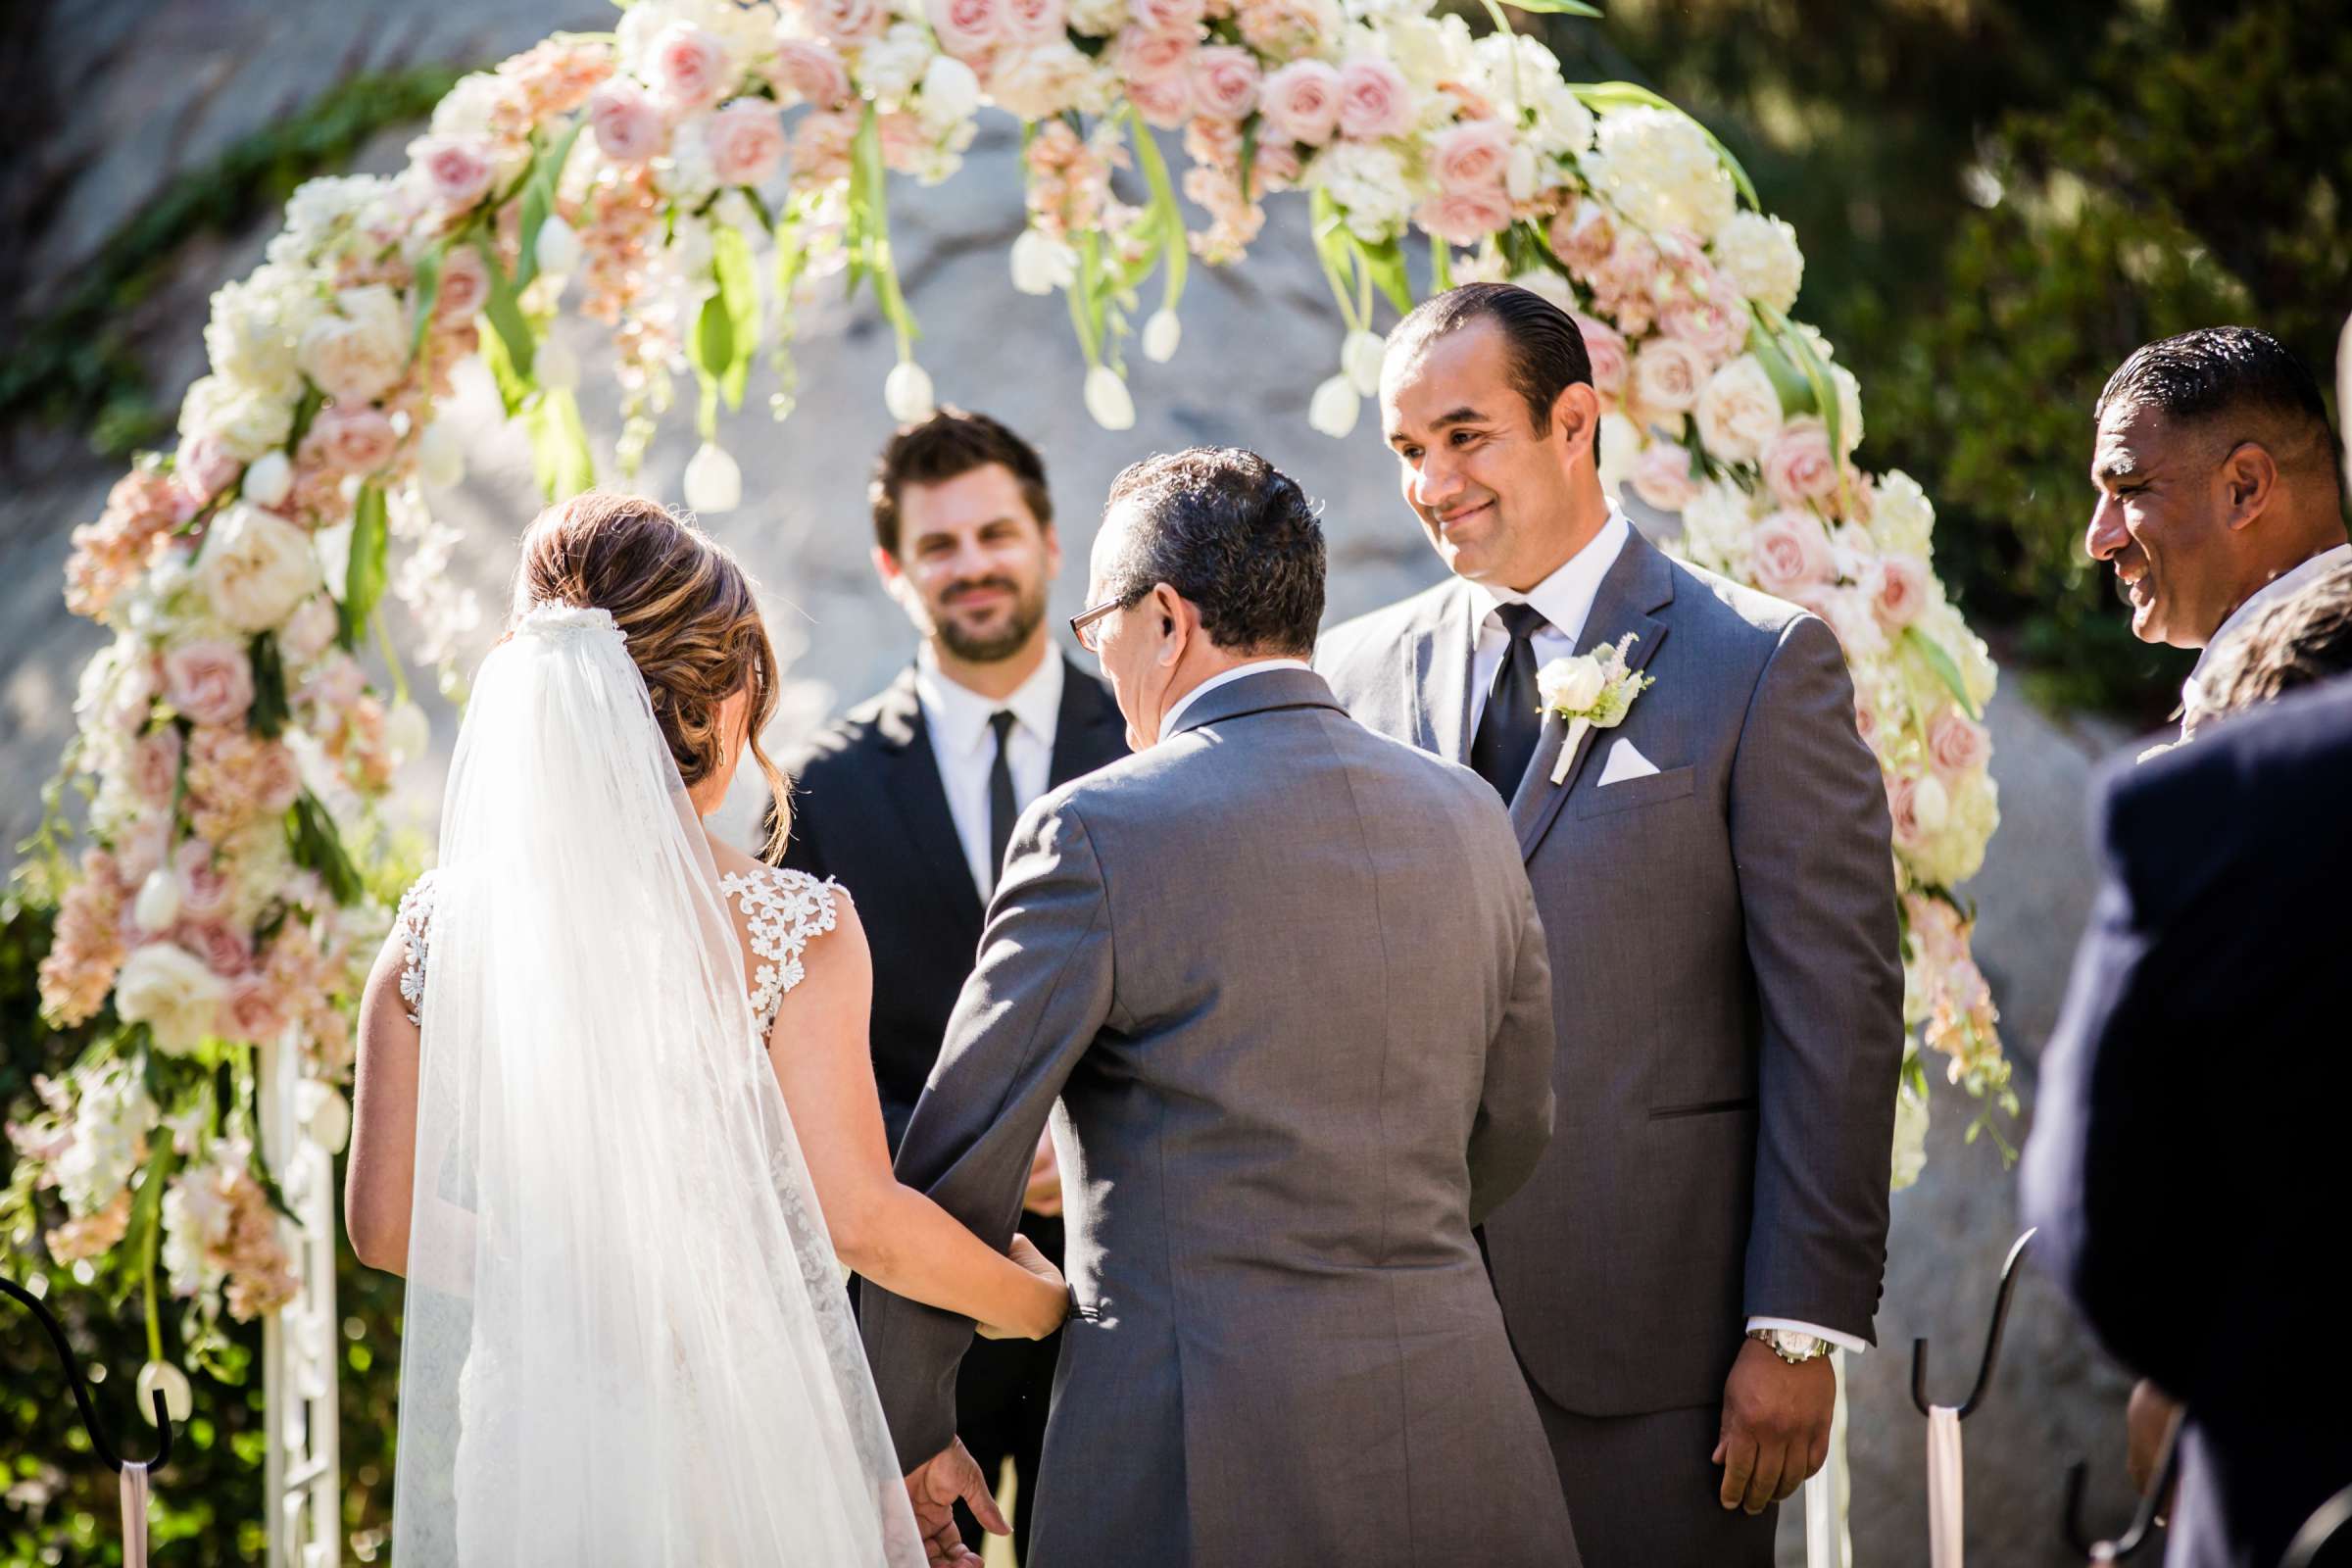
1286 979
1728 982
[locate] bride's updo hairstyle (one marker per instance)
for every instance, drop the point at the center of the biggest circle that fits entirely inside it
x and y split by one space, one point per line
687 607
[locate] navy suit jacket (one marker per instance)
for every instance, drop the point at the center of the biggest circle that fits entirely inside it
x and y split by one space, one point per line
2188 1165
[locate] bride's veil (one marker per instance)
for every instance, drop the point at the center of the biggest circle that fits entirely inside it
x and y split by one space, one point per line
626 1338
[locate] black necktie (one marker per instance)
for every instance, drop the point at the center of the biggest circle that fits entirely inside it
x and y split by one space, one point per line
1513 720
1000 809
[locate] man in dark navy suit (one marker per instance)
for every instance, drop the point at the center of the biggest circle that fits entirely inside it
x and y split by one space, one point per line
2189 1163
909 799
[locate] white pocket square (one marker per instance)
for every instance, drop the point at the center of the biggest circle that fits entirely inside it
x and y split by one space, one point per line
1625 763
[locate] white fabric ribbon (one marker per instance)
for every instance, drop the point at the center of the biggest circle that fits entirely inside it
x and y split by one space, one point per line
1567 757
1943 1487
134 1516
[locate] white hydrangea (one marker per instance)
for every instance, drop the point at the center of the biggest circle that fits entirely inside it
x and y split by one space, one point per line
1098 19
1657 166
256 323
1759 254
1716 525
111 1123
1429 50
1910 1137
889 68
1563 126
1901 518
247 420
467 109
1368 182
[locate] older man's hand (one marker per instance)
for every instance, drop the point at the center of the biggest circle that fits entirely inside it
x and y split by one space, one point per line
933 1490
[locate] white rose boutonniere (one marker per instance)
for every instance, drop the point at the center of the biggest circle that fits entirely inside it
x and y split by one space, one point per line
1591 691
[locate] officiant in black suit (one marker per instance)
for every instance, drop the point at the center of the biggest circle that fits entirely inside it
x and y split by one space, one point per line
909 798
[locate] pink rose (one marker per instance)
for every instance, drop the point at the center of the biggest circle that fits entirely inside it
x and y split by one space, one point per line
1583 236
1797 464
1717 328
1666 376
1276 167
1606 348
1900 590
155 765
465 284
1790 551
1301 102
1164 101
1144 55
204 888
814 71
276 777
847 23
338 683
1663 476
205 468
1958 744
690 66
1037 20
967 28
357 440
254 1009
1465 216
456 169
746 140
1902 803
1375 100
1866 719
1225 79
1471 155
1180 17
628 125
210 682
226 951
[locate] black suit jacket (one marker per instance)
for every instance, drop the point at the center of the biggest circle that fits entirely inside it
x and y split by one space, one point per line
869 808
2189 1163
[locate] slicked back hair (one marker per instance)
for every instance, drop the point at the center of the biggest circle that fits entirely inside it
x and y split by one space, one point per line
1547 351
2223 373
1234 535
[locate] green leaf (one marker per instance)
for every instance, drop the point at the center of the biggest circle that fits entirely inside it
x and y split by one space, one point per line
539 202
560 453
1334 249
739 288
1605 95
427 297
1817 376
1931 653
315 845
271 711
1794 388
1555 8
371 554
1440 266
1386 262
1164 202
513 390
504 307
712 346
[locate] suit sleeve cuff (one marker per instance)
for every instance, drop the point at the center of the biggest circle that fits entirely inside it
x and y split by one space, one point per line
1843 1342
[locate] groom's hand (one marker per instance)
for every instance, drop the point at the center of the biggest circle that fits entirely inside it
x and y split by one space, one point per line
933 1489
1776 1426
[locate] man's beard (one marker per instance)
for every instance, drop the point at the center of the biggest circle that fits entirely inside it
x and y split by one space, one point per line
1028 615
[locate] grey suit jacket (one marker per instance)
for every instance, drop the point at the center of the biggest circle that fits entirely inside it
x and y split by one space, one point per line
1286 979
1727 980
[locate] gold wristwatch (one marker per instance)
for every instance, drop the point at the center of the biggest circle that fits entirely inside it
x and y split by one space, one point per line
1791 1345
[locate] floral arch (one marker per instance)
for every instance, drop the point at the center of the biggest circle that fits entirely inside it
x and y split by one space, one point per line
686 181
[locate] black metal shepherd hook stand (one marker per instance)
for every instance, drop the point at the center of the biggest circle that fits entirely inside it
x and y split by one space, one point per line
1992 1341
81 1393
2143 1518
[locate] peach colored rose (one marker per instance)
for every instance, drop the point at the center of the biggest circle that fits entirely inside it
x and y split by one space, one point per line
1663 476
155 765
209 681
1465 216
204 888
847 22
1037 20
1900 590
820 148
1144 55
1666 377
1375 99
1582 236
968 29
1164 100
1179 17
629 126
1301 102
746 142
1717 328
1797 464
225 950
690 66
1225 79
1276 167
1471 156
1604 346
1958 744
456 169
357 440
254 1009
809 70
1790 552
465 284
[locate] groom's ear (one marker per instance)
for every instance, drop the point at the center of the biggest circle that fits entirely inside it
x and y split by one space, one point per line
1575 416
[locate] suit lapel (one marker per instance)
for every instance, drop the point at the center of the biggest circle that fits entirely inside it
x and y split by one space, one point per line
1638 582
910 774
1442 671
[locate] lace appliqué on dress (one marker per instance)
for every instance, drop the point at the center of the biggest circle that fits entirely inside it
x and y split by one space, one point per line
786 910
414 923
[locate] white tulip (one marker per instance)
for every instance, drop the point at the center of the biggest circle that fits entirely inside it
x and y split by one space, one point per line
1519 176
557 248
269 478
950 91
906 393
1042 263
1931 806
1161 335
157 903
1548 283
178 1397
333 545
440 455
555 365
1106 399
324 1112
1360 356
407 731
1334 406
714 483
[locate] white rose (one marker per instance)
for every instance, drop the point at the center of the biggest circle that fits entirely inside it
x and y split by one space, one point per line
1738 410
906 393
1572 684
889 68
246 421
255 567
172 991
254 327
361 353
1563 124
1430 50
1759 254
1108 399
1657 166
1039 81
1042 263
1161 335
713 481
1333 408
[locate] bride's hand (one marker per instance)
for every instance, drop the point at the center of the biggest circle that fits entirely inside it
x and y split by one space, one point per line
1053 1295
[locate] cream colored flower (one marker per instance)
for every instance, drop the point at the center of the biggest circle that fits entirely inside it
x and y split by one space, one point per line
255 567
172 991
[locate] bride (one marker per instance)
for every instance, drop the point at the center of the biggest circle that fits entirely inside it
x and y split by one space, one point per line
616 1121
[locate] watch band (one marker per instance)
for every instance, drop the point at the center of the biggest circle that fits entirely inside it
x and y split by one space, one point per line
1790 1345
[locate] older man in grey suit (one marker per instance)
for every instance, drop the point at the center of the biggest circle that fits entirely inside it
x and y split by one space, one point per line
1286 980
1714 876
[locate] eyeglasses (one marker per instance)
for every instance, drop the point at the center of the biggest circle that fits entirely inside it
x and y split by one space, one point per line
1083 624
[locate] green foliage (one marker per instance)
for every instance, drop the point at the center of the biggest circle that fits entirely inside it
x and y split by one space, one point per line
79 365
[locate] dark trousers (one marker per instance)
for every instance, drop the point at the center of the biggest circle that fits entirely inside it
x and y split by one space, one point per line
1642 1493
1002 1394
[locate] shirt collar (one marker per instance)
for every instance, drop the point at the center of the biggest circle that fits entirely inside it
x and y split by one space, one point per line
1224 677
1565 597
959 715
2270 593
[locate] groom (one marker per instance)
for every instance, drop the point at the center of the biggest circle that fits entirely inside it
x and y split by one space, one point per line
1285 979
1714 877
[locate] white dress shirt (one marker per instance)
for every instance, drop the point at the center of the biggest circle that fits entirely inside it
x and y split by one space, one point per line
1565 601
2260 599
1225 677
965 746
